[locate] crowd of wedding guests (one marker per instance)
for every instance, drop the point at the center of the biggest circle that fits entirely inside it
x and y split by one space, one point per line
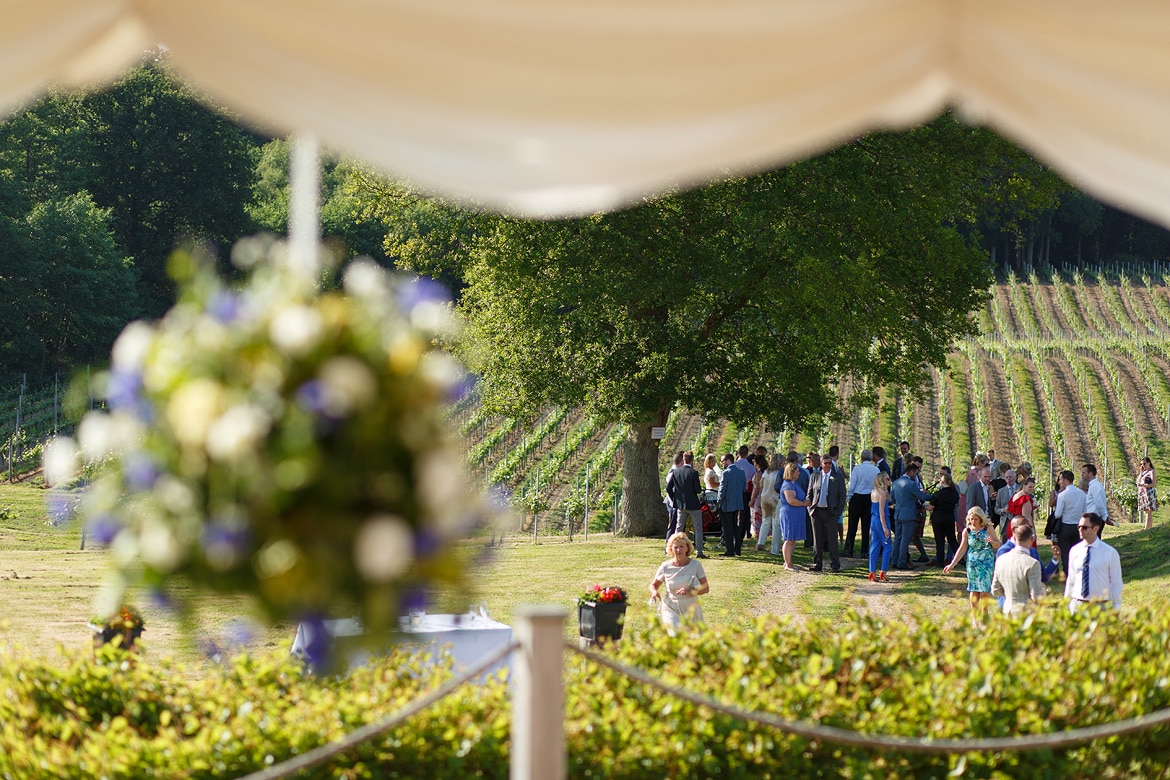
779 502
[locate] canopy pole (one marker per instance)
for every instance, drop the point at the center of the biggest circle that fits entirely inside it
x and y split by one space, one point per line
304 211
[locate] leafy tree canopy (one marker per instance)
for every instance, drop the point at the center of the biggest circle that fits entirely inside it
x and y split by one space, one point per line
749 299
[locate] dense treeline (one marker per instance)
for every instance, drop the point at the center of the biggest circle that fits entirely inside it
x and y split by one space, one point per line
96 191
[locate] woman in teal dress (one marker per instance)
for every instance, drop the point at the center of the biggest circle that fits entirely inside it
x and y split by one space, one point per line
979 544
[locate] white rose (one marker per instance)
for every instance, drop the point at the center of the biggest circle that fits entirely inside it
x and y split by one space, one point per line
129 351
295 330
234 433
349 385
384 548
192 409
61 459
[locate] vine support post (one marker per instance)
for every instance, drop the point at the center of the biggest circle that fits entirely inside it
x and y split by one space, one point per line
586 502
538 696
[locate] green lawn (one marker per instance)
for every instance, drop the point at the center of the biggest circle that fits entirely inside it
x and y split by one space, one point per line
49 585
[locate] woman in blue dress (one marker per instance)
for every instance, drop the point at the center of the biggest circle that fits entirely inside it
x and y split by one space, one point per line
881 544
793 511
979 543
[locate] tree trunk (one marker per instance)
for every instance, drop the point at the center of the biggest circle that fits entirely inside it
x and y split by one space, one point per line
642 511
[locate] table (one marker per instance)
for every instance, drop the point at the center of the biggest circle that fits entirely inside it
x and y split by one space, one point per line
467 638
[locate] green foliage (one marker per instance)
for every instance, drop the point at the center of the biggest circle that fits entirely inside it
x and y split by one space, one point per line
344 218
1125 493
1046 672
96 190
120 717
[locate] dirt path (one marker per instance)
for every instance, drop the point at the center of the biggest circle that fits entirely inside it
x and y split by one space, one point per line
784 594
1138 395
924 437
1144 297
1045 296
1003 299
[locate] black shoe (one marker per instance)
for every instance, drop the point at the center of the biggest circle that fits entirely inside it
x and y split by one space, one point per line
701 555
922 559
836 570
815 568
727 555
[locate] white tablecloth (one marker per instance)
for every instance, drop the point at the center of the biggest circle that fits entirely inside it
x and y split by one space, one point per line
467 637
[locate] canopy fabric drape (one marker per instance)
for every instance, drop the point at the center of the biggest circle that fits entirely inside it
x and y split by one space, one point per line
552 107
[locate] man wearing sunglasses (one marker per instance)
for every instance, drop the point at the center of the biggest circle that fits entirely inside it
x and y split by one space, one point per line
1094 568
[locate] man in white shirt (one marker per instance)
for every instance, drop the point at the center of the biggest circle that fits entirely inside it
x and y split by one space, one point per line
860 486
1068 505
1094 492
1094 568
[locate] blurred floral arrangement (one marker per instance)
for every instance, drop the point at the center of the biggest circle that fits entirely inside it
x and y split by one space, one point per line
271 439
604 594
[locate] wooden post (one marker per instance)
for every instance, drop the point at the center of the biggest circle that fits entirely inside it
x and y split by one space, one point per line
538 696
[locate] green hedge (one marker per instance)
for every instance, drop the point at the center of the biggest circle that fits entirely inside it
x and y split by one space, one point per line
1048 672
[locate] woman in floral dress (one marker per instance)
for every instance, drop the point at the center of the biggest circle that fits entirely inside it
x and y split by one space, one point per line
1147 481
979 544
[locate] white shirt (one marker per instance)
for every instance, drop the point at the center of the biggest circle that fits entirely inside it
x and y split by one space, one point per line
1095 499
1104 574
1070 505
861 477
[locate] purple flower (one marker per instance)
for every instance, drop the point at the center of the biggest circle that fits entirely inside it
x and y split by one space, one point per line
414 599
318 647
499 498
139 473
103 528
426 543
422 289
238 634
124 393
225 543
313 396
161 599
62 506
224 306
211 650
462 388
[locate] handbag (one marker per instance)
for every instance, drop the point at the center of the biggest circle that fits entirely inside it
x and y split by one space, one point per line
1052 527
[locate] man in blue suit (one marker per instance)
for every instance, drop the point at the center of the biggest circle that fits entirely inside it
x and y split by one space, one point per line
905 495
731 489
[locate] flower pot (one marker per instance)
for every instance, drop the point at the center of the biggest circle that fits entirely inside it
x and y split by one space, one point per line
597 620
104 636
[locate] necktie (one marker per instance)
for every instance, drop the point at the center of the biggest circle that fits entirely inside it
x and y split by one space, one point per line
1085 574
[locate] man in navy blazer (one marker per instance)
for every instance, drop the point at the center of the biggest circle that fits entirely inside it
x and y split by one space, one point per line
731 489
684 488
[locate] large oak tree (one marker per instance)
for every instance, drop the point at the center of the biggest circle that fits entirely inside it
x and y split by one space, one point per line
748 299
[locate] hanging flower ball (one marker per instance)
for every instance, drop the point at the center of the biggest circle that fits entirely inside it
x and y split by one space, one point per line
272 439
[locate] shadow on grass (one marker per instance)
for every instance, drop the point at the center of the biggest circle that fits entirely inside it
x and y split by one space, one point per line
1145 555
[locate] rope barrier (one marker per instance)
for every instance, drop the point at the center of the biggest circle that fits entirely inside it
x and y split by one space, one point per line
370 731
851 738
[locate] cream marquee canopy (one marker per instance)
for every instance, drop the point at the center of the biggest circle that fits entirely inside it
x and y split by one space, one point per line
550 107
